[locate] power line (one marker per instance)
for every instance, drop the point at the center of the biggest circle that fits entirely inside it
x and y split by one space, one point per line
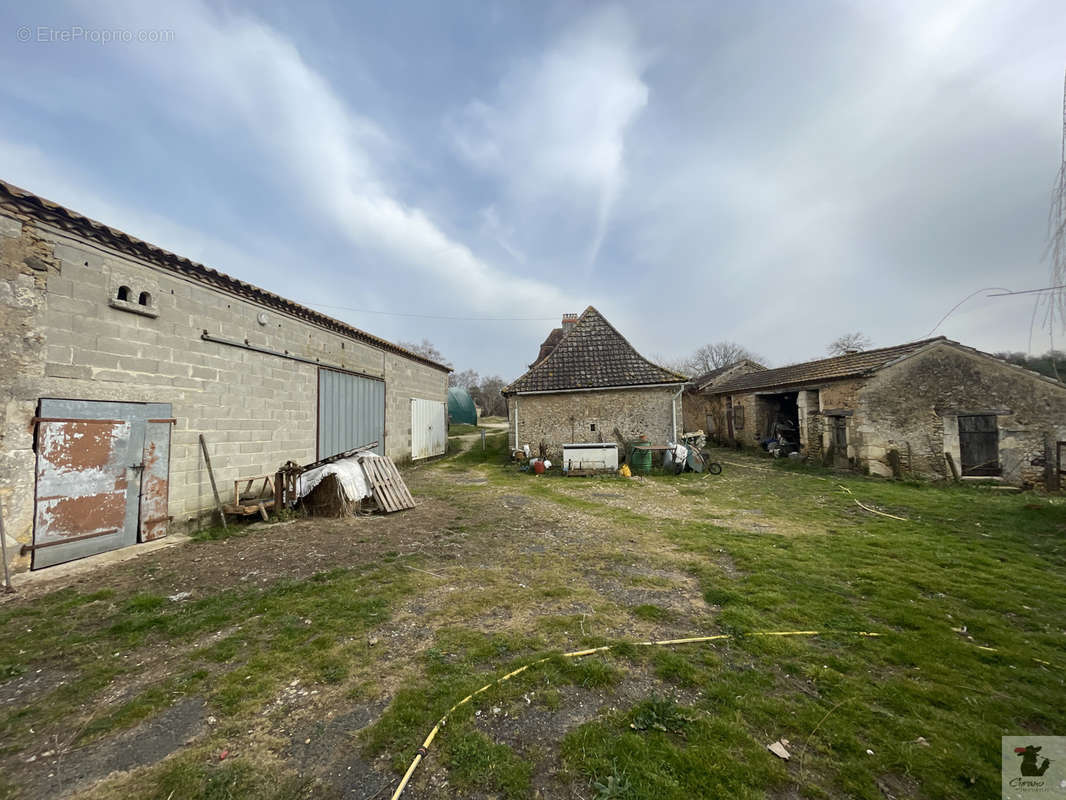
1006 293
963 300
431 316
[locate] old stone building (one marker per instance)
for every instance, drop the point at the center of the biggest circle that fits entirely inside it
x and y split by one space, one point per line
117 357
703 411
589 384
932 407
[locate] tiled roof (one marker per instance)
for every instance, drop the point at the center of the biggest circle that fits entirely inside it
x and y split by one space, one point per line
548 345
593 355
846 366
708 378
61 217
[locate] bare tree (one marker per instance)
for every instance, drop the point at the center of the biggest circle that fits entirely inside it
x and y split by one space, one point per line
493 404
427 350
467 379
849 343
679 365
717 355
1055 252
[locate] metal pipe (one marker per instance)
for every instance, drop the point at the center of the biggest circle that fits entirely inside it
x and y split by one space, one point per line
3 551
515 423
673 409
245 345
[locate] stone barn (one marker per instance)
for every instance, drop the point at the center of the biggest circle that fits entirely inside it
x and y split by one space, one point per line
703 412
589 384
932 407
119 355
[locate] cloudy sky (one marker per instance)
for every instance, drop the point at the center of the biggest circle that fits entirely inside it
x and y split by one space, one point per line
768 172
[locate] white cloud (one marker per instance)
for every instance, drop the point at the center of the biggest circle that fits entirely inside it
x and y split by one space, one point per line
237 76
555 128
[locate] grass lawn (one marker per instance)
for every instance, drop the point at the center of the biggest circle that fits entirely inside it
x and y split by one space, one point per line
317 655
461 428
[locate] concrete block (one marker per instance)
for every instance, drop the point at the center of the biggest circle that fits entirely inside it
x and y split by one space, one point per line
60 287
139 365
93 358
73 305
59 354
118 347
67 371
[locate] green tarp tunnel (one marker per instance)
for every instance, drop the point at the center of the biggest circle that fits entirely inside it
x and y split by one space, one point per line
461 406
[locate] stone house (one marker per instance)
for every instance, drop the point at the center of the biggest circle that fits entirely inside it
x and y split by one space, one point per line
119 355
932 407
589 384
703 411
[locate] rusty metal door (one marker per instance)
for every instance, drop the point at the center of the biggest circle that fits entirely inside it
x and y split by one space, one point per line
155 480
101 469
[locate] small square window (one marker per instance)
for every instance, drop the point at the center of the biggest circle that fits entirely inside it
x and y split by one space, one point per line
592 427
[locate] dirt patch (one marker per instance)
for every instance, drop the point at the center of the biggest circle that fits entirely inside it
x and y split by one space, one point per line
267 554
899 787
26 688
60 772
328 750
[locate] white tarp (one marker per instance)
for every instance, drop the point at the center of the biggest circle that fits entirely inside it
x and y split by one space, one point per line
349 472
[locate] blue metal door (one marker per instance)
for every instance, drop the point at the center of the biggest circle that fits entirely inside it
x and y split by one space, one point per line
351 412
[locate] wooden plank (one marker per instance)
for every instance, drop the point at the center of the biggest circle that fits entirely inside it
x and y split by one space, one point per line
401 487
380 489
390 491
214 487
395 484
398 482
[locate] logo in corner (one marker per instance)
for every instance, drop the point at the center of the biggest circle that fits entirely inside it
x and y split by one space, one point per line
1034 767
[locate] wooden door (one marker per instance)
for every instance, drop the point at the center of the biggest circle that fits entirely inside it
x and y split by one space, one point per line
979 444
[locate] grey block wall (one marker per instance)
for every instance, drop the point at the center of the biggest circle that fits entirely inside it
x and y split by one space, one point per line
64 337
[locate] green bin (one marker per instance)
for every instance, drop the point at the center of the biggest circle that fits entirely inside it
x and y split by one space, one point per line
640 458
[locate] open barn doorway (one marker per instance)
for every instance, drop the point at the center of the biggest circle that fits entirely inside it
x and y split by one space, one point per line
778 420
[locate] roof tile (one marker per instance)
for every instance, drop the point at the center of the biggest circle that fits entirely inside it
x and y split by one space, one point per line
592 355
845 366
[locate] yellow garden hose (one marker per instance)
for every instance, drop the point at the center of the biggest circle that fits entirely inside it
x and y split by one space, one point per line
424 749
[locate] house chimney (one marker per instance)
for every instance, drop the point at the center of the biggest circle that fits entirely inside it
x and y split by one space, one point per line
569 320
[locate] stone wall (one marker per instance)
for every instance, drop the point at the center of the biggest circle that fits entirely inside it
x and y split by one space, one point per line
560 418
698 407
841 395
913 407
70 339
749 433
26 265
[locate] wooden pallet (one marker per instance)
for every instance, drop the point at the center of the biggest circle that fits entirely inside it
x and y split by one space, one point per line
390 491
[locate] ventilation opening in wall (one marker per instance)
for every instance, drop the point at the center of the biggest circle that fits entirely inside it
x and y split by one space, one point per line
134 301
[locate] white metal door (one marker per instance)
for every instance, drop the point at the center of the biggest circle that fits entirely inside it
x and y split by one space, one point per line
429 428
